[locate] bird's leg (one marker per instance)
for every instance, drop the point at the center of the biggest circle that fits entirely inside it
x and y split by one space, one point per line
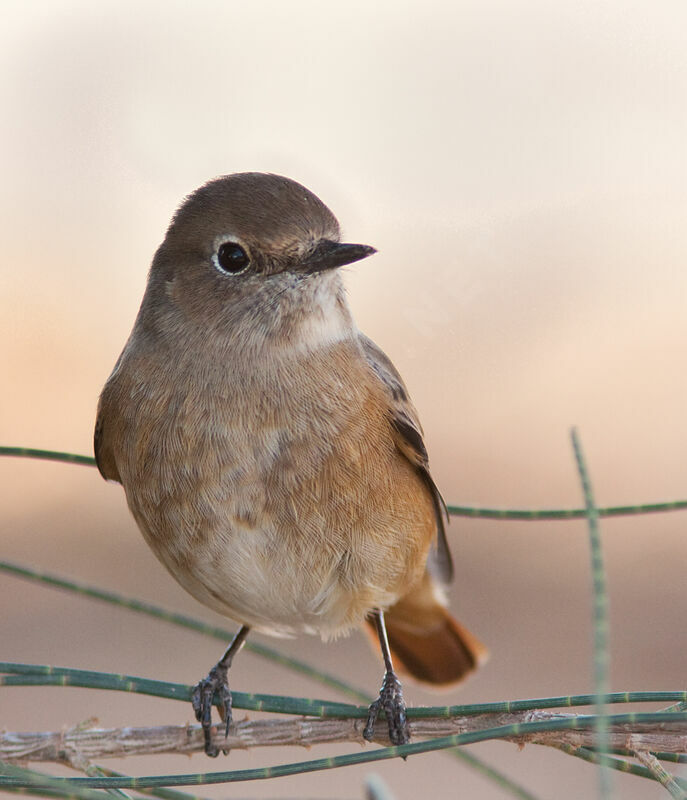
390 698
216 681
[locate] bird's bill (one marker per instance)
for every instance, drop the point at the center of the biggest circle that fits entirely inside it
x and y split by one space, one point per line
330 255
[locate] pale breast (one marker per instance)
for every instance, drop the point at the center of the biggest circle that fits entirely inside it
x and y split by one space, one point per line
277 496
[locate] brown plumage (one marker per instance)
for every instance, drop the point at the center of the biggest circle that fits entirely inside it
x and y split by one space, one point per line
268 450
426 641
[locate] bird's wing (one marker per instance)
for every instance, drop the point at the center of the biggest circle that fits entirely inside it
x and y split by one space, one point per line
408 436
103 457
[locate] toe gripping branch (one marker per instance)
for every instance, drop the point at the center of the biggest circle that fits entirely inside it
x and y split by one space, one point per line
216 684
390 701
390 698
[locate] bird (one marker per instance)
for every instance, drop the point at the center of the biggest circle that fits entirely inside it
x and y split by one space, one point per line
269 451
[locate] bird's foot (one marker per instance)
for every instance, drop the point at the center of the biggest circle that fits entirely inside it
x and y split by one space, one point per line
391 701
202 699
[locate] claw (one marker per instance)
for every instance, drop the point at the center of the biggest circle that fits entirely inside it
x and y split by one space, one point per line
202 699
390 701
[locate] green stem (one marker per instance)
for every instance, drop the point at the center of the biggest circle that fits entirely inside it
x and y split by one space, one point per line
45 675
183 621
593 757
454 510
600 613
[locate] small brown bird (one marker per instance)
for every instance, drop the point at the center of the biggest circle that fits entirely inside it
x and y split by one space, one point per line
269 451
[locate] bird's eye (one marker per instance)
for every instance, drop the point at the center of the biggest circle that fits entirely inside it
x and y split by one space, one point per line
232 258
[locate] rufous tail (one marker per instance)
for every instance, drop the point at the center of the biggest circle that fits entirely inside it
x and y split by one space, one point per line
426 641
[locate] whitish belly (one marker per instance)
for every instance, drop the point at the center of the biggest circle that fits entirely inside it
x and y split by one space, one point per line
279 582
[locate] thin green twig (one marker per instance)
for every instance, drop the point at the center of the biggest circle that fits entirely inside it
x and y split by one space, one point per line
34 782
164 794
45 675
47 455
455 510
38 675
674 758
91 769
600 597
183 621
305 668
39 783
594 757
667 781
681 706
266 652
175 794
539 515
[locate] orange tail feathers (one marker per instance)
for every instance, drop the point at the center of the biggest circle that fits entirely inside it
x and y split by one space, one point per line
426 641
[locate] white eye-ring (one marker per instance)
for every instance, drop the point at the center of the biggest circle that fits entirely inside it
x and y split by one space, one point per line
230 258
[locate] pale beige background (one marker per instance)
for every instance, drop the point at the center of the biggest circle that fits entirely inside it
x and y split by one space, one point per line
521 168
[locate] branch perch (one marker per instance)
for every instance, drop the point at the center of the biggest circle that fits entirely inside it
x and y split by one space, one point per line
97 743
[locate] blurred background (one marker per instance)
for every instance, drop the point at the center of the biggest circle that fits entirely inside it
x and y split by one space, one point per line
521 168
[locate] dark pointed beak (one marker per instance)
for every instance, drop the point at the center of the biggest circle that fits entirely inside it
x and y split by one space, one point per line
330 255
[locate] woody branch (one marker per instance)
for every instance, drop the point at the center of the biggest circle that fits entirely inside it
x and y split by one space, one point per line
79 743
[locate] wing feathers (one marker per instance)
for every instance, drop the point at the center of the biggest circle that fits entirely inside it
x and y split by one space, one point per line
408 436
